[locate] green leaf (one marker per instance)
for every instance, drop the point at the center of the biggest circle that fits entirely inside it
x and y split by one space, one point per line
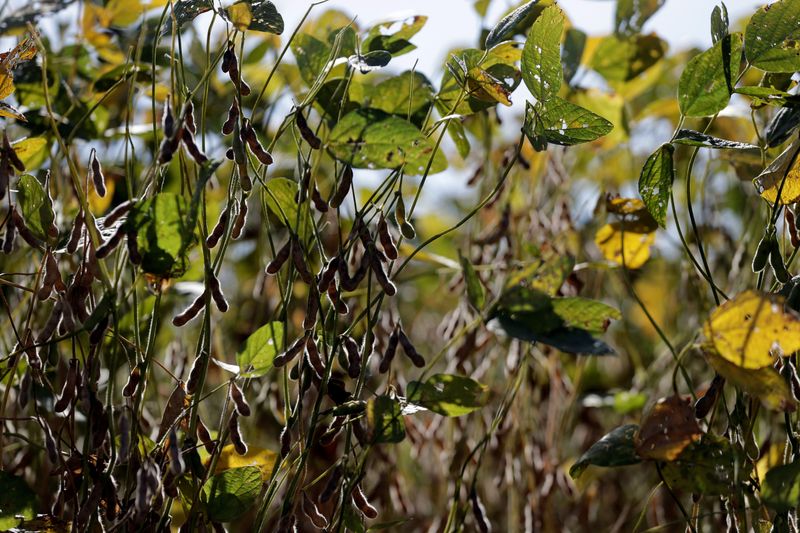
311 56
695 138
704 88
632 14
709 466
507 25
393 36
406 95
624 58
614 449
370 61
258 15
780 490
541 57
16 500
567 324
36 206
574 44
772 37
564 123
185 11
719 23
385 420
281 193
368 138
475 291
163 233
655 182
231 493
260 349
448 395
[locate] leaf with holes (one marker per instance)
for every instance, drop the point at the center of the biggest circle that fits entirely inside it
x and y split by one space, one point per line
541 57
655 182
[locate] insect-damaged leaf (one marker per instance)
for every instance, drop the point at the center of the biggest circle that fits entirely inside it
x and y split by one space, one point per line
752 329
655 182
258 15
260 349
185 11
541 57
448 394
567 324
695 138
772 37
614 449
561 122
667 429
705 86
230 494
367 138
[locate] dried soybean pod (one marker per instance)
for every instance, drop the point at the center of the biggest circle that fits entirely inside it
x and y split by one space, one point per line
313 356
380 275
387 242
216 293
348 283
52 275
124 429
168 119
68 390
319 202
176 464
409 349
227 58
290 353
249 135
236 435
190 312
205 437
25 389
233 116
96 336
241 219
312 512
479 512
219 228
305 131
96 174
237 398
192 148
50 444
332 485
75 234
761 256
13 158
333 296
791 226
400 217
244 88
195 373
280 258
793 300
312 309
327 273
52 323
704 405
107 247
117 213
133 247
344 187
130 388
391 350
244 178
776 262
23 230
353 356
362 504
188 115
11 234
229 154
299 261
286 441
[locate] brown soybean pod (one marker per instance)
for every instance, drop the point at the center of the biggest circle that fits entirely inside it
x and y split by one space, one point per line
227 58
327 274
188 115
313 356
133 248
312 512
96 172
362 504
216 293
233 116
333 296
353 356
319 202
280 258
237 398
380 275
253 143
190 312
409 349
107 247
387 242
312 309
332 485
11 234
205 436
117 213
391 350
219 228
133 382
195 373
286 441
344 187
479 512
23 230
236 435
176 463
300 264
241 219
68 390
75 234
290 353
51 267
305 131
192 148
168 119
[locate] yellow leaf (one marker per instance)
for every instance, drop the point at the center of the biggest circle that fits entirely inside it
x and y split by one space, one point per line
261 457
613 238
7 110
240 15
6 83
752 329
486 87
624 206
769 181
31 151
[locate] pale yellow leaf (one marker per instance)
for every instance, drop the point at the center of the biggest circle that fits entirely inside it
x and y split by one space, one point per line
614 238
769 181
240 15
7 110
752 329
261 457
31 151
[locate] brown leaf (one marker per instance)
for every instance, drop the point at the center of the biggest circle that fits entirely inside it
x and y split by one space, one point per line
667 429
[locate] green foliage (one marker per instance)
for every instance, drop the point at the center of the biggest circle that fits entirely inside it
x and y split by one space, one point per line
256 357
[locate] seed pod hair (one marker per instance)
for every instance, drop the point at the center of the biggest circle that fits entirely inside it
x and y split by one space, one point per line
362 504
236 435
313 356
312 512
353 356
331 485
327 273
336 301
